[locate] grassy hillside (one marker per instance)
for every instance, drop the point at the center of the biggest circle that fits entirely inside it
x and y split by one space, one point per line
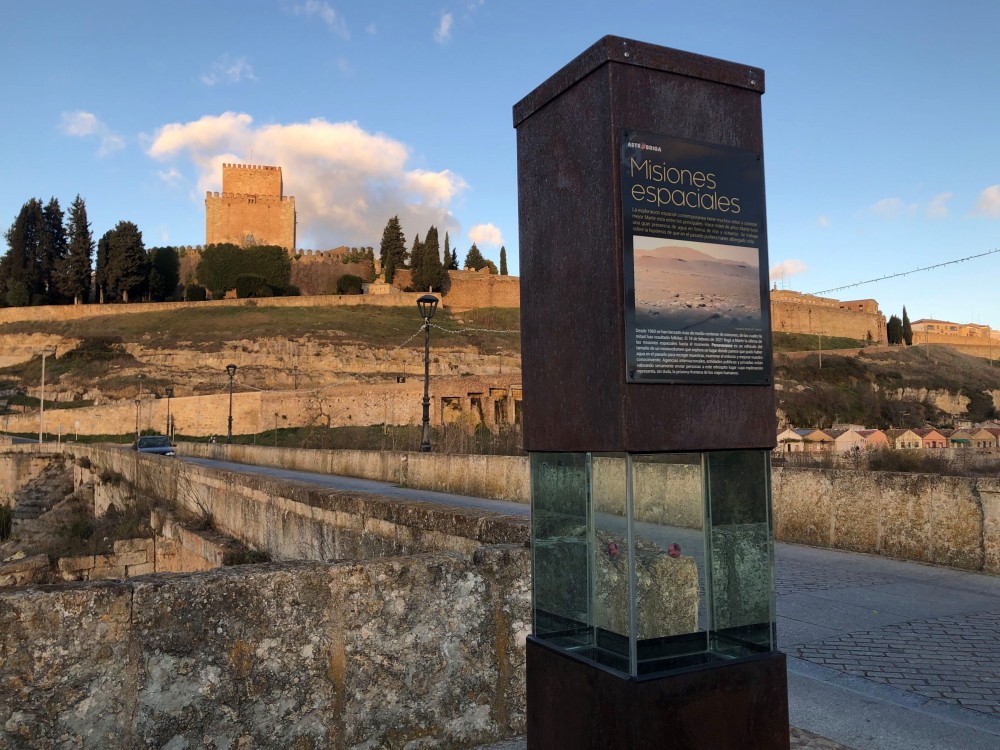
207 329
864 389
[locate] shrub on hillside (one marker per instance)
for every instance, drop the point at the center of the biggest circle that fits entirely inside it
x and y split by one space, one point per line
251 285
349 284
195 293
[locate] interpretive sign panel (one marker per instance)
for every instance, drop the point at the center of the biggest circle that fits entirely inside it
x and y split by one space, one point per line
696 299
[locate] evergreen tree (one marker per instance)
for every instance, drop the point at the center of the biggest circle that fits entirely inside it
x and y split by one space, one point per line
73 275
52 250
447 252
894 330
164 273
503 260
101 269
22 282
428 271
453 263
126 272
392 250
416 253
474 259
907 329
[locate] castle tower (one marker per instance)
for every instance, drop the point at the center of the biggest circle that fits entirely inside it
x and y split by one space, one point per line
252 208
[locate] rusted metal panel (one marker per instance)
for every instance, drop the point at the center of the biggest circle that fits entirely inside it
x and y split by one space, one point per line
572 290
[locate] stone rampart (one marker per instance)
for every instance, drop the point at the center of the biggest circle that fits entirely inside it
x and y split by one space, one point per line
470 290
60 313
426 650
792 312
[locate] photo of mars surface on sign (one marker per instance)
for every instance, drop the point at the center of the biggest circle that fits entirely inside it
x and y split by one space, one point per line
695 286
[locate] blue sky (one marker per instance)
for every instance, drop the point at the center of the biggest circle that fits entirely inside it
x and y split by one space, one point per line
881 121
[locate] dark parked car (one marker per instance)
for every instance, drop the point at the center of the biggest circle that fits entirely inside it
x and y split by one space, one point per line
158 444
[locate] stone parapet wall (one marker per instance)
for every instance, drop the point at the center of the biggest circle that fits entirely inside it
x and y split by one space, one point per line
295 655
60 313
927 517
803 313
470 290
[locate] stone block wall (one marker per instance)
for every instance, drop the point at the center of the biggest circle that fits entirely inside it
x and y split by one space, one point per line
792 312
303 655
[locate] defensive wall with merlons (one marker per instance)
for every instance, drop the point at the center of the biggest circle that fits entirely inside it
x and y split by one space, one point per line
794 312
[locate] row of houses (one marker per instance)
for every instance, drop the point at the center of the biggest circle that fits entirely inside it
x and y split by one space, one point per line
842 439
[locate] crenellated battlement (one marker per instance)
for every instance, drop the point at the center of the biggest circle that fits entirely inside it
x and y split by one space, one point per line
250 166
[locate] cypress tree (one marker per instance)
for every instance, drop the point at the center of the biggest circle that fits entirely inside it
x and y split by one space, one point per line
164 272
74 273
52 250
392 250
453 264
907 329
503 260
428 271
894 330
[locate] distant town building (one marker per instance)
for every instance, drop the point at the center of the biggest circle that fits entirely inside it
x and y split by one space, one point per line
794 312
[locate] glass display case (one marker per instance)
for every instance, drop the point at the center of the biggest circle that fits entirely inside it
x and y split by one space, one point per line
650 563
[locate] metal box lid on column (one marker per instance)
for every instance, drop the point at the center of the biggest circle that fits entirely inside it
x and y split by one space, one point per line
644 305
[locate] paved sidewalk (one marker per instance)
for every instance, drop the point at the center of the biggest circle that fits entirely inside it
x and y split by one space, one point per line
799 738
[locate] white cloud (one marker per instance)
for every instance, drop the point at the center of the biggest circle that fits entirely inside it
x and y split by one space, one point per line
823 222
786 268
228 70
443 32
937 208
989 203
170 176
486 234
371 28
347 182
325 13
891 208
85 125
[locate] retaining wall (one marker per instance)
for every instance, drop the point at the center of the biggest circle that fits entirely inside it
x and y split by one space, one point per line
424 651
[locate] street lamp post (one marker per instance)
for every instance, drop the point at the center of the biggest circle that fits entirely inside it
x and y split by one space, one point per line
137 402
231 370
170 395
427 304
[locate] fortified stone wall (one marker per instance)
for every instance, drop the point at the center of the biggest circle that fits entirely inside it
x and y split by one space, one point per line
252 179
470 290
792 312
60 313
235 218
984 347
251 206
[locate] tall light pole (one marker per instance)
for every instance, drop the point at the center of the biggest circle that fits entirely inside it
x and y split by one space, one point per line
41 402
427 304
170 395
231 370
275 429
137 402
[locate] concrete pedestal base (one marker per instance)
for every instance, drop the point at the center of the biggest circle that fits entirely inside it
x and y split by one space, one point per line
574 704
